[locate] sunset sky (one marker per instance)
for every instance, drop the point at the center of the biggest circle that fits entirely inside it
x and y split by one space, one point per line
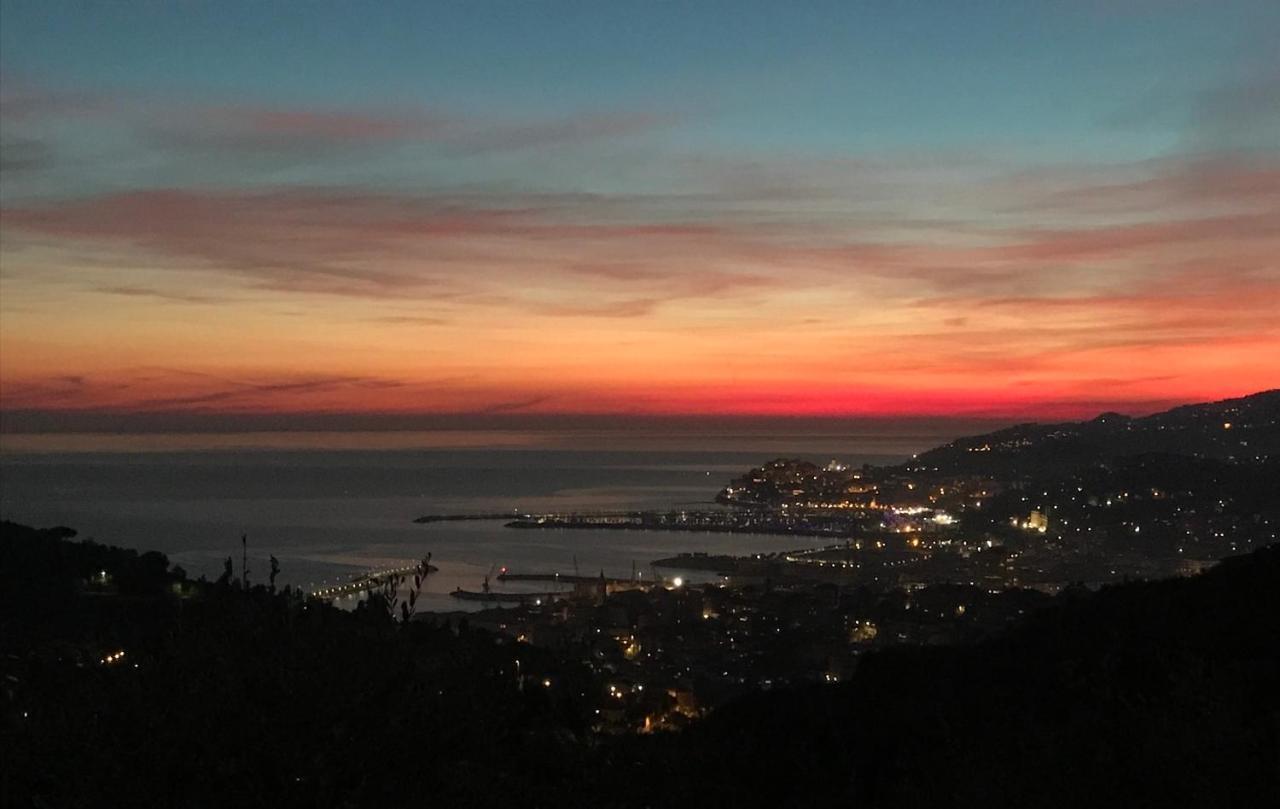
1002 209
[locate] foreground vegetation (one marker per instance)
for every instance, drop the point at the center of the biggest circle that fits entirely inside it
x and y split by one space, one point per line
1153 694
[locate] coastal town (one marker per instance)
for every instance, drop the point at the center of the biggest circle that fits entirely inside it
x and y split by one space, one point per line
933 551
1024 565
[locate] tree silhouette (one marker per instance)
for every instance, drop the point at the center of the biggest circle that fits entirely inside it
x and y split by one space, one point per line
384 593
225 579
244 561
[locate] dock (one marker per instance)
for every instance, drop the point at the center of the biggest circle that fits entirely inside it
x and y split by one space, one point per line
427 519
563 578
365 581
508 598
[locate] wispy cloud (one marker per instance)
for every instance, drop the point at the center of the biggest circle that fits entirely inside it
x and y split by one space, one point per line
22 101
346 242
248 129
154 389
745 276
412 320
293 133
24 155
159 294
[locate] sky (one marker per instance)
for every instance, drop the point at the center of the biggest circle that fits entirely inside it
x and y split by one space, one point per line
347 211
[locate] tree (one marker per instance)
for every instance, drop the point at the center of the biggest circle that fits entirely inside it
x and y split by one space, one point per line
244 563
227 572
385 592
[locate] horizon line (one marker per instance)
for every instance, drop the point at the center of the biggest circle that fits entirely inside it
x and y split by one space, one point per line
140 422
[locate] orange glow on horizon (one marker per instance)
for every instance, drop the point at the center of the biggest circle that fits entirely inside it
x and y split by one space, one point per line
336 302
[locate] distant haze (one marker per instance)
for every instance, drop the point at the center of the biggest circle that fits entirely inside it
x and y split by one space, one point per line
27 433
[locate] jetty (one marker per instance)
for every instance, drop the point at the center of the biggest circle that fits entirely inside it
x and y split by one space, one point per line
508 598
563 578
364 581
506 515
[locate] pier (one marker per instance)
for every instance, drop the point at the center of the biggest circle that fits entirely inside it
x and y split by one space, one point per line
563 578
426 519
509 598
364 581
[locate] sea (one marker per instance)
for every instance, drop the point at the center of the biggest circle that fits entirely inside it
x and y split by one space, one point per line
330 506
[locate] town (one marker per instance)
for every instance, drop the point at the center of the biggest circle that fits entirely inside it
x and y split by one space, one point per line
955 545
985 585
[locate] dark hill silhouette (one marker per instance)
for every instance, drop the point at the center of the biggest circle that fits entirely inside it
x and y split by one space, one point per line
227 696
1244 428
1144 694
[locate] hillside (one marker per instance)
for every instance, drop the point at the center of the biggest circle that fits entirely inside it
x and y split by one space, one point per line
1145 694
1244 428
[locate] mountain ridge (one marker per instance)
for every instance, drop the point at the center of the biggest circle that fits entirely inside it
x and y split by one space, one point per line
1246 427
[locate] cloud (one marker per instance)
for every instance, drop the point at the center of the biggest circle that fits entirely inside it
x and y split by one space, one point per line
353 242
1114 240
247 393
614 287
301 132
412 320
1240 116
636 307
167 392
22 101
598 256
514 406
573 130
1030 286
24 155
158 294
292 241
1157 187
159 389
347 242
306 133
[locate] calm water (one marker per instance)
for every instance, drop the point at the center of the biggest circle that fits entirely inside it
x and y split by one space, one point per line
326 514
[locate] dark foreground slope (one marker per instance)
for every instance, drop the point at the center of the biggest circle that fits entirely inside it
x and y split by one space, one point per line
235 697
1145 694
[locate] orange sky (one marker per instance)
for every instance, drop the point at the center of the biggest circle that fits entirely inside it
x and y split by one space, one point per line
293 302
1059 212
